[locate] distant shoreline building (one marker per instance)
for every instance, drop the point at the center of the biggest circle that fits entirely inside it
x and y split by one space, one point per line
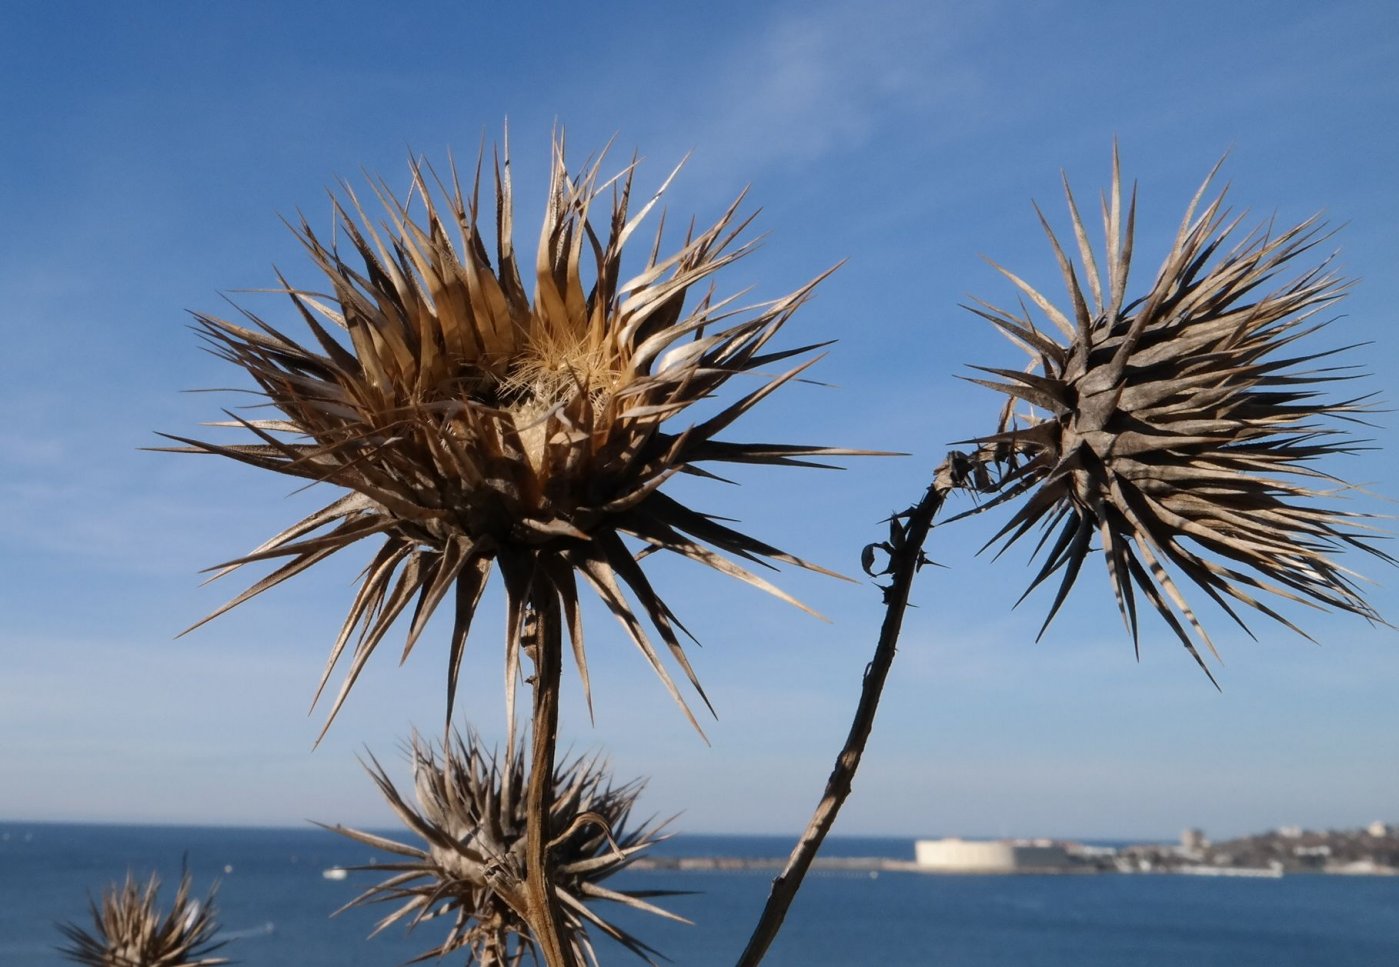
956 855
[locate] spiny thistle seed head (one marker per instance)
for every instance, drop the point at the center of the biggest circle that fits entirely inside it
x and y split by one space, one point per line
474 426
128 930
471 815
1182 428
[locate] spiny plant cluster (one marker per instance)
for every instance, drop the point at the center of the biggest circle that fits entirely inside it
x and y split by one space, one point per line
1183 428
474 427
470 427
128 929
472 817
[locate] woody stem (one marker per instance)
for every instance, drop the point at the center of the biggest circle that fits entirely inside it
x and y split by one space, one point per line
543 632
905 558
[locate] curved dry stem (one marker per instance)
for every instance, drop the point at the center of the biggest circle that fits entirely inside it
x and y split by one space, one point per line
908 531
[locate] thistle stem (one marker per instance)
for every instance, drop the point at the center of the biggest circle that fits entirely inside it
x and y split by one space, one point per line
905 558
544 640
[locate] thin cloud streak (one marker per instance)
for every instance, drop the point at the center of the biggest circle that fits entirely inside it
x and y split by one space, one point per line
824 79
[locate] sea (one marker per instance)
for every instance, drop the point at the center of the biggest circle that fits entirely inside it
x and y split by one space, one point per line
275 907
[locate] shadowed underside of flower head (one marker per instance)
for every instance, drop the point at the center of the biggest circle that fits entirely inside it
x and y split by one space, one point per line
1183 428
128 930
475 427
472 816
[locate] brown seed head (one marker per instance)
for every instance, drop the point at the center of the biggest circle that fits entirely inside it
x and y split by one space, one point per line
473 425
1182 428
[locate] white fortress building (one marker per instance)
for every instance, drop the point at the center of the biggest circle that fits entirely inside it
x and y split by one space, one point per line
988 856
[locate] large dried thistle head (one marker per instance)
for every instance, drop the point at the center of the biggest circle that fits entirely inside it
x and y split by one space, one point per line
1183 428
129 931
473 425
471 814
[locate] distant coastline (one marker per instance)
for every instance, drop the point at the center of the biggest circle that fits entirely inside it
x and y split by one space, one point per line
1369 851
1372 851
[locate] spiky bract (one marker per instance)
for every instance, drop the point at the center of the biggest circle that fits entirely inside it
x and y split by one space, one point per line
128 930
1182 428
472 815
475 426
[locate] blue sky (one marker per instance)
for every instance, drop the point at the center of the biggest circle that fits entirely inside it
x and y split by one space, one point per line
145 162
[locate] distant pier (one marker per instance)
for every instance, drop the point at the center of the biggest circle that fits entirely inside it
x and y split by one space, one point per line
842 864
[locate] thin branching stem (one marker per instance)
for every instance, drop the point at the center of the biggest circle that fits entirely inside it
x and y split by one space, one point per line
908 532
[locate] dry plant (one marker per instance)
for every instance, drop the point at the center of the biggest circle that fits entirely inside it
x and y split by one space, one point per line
476 428
1175 429
472 817
129 931
1182 428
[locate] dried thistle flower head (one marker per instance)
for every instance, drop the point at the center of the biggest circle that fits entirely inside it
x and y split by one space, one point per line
1183 428
472 816
128 930
473 425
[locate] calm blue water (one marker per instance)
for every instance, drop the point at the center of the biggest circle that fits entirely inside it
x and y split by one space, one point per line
275 902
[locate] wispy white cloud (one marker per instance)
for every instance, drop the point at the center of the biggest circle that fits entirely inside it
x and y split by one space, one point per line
822 78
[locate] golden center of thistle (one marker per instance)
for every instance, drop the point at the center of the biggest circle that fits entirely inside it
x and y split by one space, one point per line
552 373
554 367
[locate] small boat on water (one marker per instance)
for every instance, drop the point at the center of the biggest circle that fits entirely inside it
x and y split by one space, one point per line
335 873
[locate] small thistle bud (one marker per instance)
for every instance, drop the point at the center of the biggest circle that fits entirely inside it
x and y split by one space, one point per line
471 815
128 930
